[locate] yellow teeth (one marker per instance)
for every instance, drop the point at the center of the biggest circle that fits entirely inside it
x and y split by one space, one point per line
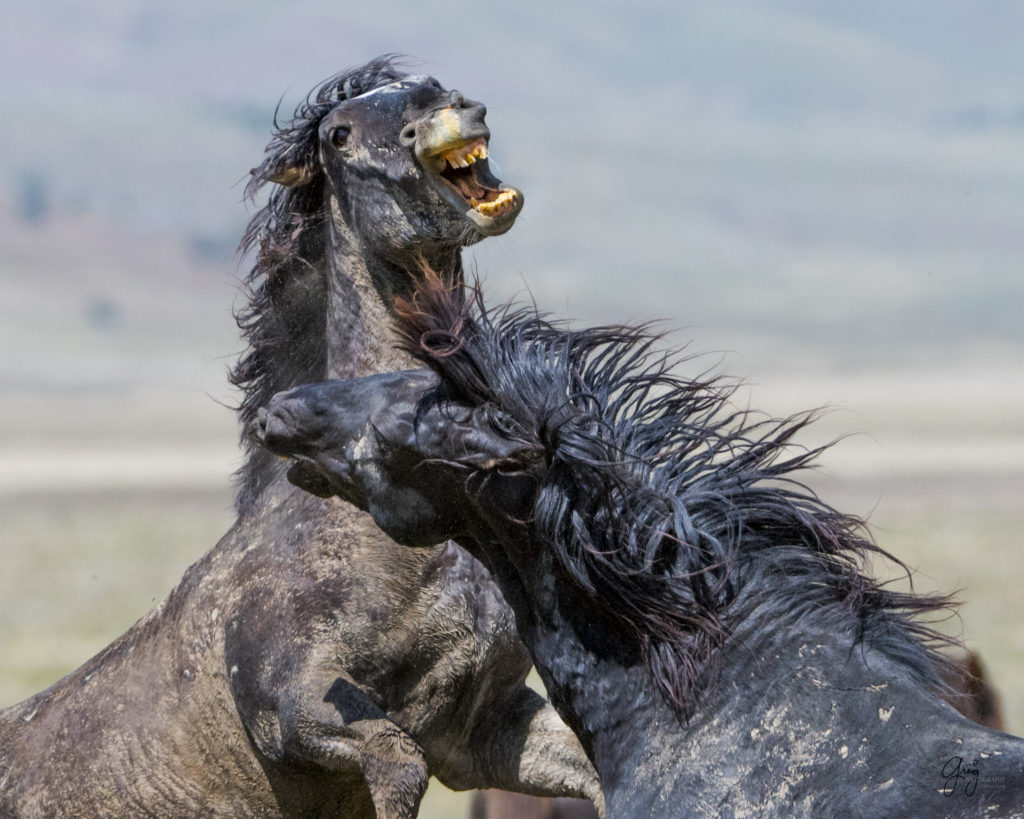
505 200
465 155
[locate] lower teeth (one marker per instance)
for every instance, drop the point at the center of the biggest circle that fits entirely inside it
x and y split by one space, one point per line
502 203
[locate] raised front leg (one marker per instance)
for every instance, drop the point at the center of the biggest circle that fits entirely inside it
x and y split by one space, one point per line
523 746
343 729
339 728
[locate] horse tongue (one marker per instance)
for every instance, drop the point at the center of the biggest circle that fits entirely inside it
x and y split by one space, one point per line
468 187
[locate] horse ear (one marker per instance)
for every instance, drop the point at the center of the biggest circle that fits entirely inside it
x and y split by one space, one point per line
290 176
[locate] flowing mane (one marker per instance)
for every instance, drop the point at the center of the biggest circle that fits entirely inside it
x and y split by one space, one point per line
283 321
671 511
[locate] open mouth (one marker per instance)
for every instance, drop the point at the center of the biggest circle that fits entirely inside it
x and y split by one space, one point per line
464 168
467 182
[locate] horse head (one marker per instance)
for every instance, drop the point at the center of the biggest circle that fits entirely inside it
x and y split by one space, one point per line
399 163
425 466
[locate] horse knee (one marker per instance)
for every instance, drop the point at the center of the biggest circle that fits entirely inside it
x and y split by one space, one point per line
346 732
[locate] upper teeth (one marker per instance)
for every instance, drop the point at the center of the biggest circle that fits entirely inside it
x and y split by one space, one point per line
466 155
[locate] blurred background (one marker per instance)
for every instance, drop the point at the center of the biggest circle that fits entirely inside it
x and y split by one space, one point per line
829 196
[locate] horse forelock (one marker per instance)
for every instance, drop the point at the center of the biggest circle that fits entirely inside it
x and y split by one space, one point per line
295 143
670 509
284 318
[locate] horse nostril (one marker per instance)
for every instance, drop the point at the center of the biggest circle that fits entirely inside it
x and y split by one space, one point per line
456 100
276 428
479 110
408 134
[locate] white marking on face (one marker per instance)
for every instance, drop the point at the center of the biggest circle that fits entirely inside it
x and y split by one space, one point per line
395 87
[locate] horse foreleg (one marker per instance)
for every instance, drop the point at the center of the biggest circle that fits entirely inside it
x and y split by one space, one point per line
343 730
524 746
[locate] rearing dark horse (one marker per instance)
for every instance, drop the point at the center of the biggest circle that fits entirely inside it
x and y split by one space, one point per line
701 620
307 666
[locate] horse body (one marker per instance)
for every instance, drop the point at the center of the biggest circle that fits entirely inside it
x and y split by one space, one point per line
213 704
802 722
306 665
132 725
701 622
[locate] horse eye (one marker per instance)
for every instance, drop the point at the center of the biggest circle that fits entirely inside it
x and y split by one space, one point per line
339 135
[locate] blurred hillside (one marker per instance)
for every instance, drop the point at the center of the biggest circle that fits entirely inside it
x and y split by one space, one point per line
814 185
91 305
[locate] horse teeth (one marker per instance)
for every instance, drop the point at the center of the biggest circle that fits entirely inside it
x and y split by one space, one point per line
505 200
466 155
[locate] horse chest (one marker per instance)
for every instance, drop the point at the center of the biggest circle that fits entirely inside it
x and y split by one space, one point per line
445 644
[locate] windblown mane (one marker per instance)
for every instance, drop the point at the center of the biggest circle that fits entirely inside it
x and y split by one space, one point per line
284 321
671 511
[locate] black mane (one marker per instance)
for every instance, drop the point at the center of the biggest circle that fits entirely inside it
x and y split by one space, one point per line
284 320
674 513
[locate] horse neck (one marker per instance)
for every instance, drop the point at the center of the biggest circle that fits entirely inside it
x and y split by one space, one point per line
789 689
357 334
601 690
362 287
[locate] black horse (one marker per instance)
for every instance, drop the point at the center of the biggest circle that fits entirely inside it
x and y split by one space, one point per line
306 666
703 622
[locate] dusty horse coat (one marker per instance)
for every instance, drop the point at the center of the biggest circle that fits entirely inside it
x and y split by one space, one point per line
307 666
702 621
